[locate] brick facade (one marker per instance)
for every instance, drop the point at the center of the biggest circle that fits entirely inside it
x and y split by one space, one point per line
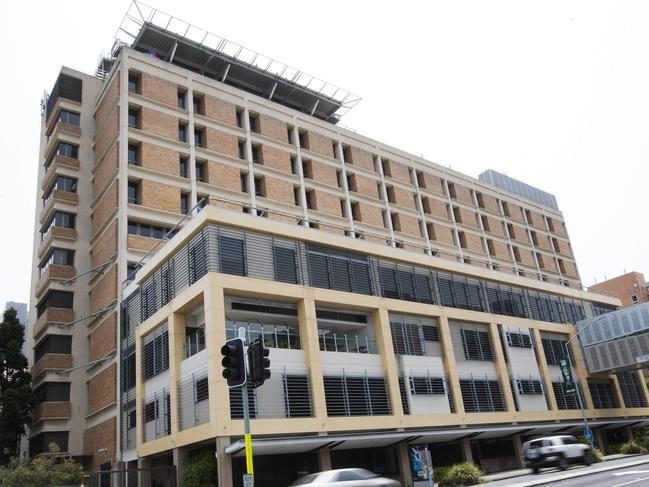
273 128
160 196
102 389
159 89
105 207
160 159
103 337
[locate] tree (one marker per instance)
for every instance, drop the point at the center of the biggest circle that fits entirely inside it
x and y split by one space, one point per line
16 396
42 472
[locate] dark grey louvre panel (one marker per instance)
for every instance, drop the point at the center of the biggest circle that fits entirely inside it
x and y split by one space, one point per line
356 396
481 396
285 265
149 299
477 345
167 284
564 400
505 300
361 277
632 390
198 257
340 273
602 309
388 282
404 396
379 400
232 255
155 352
336 396
406 285
406 338
514 395
338 270
236 403
460 292
297 396
427 385
449 393
318 269
431 333
520 340
128 368
603 394
554 350
529 387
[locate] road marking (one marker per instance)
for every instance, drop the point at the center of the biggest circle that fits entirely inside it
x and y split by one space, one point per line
631 482
632 472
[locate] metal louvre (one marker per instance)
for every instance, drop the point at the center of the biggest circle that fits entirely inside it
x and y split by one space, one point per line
520 340
481 396
460 292
236 402
156 413
339 270
554 350
427 385
356 396
404 396
297 396
193 400
407 283
506 300
476 345
603 394
529 387
409 334
631 388
155 352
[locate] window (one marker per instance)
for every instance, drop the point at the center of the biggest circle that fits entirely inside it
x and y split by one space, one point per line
61 344
462 240
307 168
134 117
480 199
505 208
485 223
60 219
182 96
421 179
67 150
297 397
396 222
385 165
554 350
256 152
603 393
133 82
427 385
481 396
239 117
241 144
201 390
520 340
57 257
182 166
55 299
243 179
356 396
199 137
145 230
491 247
631 389
451 190
356 211
62 183
155 353
297 196
310 199
539 259
476 345
294 166
392 198
200 171
184 203
260 186
510 231
285 264
527 387
53 392
197 103
517 254
535 238
253 120
232 256
134 192
457 214
133 154
182 132
302 138
150 411
71 118
634 297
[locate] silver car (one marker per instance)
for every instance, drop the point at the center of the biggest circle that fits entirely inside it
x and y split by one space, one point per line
346 477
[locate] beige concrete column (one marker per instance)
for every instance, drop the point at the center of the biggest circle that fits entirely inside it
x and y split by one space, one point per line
501 368
449 364
643 386
543 368
618 391
581 372
214 338
466 450
381 319
324 459
176 326
223 462
518 449
404 464
143 472
308 325
629 433
179 458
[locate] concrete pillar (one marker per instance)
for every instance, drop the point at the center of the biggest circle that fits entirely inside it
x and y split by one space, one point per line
388 359
404 465
466 450
501 368
518 450
629 433
449 364
324 459
643 385
580 372
618 392
143 472
543 368
179 459
223 462
599 440
308 325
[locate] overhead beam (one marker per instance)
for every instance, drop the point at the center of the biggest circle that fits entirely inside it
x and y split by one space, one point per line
173 52
225 72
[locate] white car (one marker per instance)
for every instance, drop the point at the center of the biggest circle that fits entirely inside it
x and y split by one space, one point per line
346 477
555 451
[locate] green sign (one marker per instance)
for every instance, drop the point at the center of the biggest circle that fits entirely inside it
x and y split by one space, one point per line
568 382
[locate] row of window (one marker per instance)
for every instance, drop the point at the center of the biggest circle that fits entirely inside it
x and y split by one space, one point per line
56 257
61 219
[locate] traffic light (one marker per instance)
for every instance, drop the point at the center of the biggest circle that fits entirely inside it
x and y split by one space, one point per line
258 363
234 362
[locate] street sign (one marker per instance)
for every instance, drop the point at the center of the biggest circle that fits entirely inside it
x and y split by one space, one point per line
248 480
588 434
568 382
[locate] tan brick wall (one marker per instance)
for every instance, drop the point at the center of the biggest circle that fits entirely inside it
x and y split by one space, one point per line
433 183
107 134
462 193
159 123
104 290
543 241
366 186
99 437
327 203
109 100
319 144
105 207
495 226
404 198
220 110
276 158
279 190
324 174
560 227
490 203
47 410
221 142
223 175
103 338
106 170
520 234
436 208
361 158
52 361
526 257
159 89
159 159
537 220
474 243
549 263
273 128
516 213
468 217
564 248
444 235
399 172
571 271
370 214
409 225
102 389
141 243
160 196
105 246
501 249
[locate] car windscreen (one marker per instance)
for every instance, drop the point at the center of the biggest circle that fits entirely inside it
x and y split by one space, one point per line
307 479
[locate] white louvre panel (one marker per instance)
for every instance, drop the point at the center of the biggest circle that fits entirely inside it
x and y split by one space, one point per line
156 415
193 397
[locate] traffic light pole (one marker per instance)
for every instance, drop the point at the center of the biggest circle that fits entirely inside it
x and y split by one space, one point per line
246 430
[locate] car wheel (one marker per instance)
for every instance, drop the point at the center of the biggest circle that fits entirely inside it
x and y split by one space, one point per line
588 459
562 463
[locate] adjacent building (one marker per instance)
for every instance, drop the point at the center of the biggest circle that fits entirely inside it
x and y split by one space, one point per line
192 187
631 288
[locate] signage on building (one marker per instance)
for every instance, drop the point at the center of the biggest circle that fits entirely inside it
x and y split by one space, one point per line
421 464
566 373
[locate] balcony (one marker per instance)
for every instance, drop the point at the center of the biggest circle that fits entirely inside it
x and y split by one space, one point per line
51 361
52 316
53 272
58 162
51 410
62 128
346 342
57 196
55 233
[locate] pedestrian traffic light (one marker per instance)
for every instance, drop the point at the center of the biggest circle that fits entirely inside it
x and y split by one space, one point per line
258 363
234 362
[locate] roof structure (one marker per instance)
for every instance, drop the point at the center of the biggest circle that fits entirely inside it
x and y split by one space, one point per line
148 30
519 188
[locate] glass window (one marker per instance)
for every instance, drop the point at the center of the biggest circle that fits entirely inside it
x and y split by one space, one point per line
133 192
182 167
69 118
134 117
68 150
133 154
182 132
181 99
133 83
200 171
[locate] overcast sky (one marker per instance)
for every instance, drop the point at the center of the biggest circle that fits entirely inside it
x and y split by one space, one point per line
552 93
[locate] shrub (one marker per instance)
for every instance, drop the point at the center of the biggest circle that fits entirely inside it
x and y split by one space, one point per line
440 473
632 447
461 475
614 449
200 470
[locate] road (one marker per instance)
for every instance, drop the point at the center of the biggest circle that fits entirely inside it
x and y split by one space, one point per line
632 476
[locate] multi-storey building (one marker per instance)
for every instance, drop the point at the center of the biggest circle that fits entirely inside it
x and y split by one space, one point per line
631 288
405 303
